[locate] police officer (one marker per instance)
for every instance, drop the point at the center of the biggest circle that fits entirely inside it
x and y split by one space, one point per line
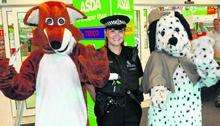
118 102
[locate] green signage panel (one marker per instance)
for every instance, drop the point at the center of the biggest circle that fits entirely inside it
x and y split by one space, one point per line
98 9
94 10
93 30
194 10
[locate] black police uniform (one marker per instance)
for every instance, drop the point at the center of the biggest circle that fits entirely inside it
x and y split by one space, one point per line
118 102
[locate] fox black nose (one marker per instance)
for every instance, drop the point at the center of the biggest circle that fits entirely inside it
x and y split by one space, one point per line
55 44
173 41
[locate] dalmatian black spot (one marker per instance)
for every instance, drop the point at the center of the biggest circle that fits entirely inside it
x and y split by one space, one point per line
177 29
162 33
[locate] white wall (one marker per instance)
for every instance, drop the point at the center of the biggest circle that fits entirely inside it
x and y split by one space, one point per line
174 2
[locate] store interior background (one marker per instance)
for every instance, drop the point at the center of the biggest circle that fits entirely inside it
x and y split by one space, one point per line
13 33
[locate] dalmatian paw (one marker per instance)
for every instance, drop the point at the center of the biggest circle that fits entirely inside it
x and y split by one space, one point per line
203 58
211 67
203 55
158 96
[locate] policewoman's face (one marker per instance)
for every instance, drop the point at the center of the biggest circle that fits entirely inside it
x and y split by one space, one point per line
115 37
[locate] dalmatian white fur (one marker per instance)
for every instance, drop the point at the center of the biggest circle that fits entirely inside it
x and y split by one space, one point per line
182 107
203 57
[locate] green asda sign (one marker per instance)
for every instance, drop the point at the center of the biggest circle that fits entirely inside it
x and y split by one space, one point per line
95 10
93 30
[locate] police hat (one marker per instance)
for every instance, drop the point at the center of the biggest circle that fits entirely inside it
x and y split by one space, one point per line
115 21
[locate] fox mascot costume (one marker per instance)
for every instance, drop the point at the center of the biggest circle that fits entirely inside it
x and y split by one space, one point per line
58 70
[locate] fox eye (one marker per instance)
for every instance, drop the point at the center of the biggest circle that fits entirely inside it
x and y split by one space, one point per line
61 21
49 21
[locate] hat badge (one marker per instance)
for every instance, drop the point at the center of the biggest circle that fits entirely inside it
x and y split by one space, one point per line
115 22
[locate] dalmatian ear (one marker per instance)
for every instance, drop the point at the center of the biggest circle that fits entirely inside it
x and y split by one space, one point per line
184 23
151 32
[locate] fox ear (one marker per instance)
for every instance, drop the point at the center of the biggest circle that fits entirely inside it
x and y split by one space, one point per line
32 17
74 13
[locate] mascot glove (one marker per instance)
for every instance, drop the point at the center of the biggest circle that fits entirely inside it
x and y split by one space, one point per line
159 95
6 73
96 65
114 76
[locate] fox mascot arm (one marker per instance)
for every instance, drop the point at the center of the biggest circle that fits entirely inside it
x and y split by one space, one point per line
21 86
49 36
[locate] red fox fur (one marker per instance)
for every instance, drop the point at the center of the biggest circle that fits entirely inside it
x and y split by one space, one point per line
58 68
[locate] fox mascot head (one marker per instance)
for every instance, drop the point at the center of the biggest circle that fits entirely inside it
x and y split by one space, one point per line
58 70
55 31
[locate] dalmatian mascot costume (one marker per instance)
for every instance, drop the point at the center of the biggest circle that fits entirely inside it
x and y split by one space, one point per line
175 72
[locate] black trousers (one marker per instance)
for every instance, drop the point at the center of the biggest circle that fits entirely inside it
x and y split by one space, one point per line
129 115
218 88
210 93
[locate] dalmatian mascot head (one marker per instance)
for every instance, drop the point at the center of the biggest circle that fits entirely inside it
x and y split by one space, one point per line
172 34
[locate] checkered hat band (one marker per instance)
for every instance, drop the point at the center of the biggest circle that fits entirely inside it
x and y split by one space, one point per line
115 22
